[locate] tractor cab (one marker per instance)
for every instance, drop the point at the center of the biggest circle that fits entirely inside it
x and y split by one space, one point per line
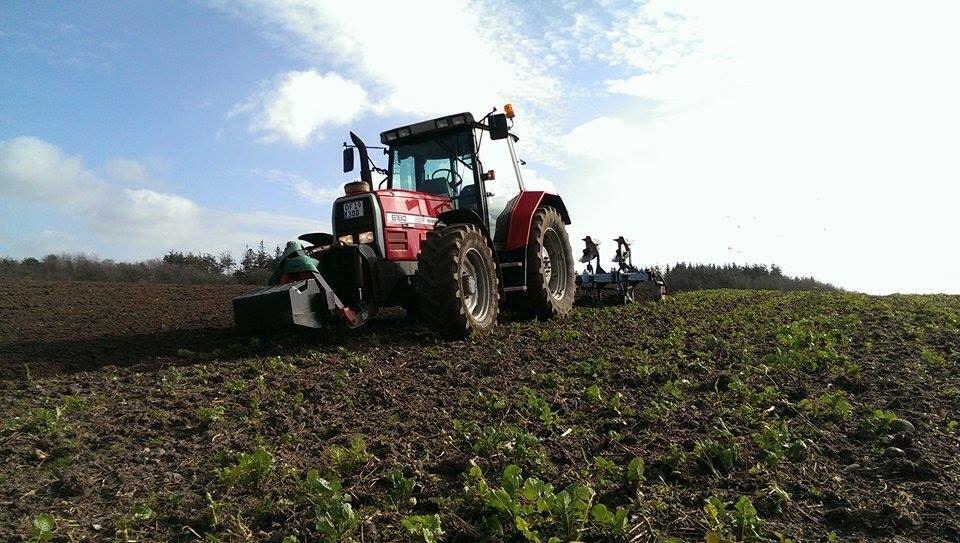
472 164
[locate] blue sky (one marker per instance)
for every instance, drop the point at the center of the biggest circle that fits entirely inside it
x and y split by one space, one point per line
152 83
821 137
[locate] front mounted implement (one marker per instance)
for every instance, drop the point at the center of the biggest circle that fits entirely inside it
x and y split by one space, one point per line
300 295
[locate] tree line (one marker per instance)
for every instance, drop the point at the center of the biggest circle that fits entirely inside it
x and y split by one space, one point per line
684 276
254 267
257 263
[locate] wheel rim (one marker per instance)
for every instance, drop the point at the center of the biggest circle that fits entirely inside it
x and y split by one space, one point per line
475 285
554 260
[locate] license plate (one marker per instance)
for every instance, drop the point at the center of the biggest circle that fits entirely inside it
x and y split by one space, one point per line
352 210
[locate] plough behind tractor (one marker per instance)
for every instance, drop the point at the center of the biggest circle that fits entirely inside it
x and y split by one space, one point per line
626 282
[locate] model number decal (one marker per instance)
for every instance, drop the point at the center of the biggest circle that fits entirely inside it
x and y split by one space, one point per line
352 210
403 218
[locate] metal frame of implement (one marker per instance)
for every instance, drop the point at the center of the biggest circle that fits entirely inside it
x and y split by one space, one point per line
622 280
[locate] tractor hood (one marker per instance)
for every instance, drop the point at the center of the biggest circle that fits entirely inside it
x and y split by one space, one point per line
412 203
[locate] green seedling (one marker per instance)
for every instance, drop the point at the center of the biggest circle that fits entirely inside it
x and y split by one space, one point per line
348 460
249 471
334 517
209 415
423 528
42 528
737 524
831 406
400 489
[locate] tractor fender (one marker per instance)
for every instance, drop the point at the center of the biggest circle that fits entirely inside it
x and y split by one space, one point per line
469 216
518 233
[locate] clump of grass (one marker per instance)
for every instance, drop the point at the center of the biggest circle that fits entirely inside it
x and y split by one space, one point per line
732 524
670 465
209 415
719 454
44 421
169 380
400 489
634 472
517 445
879 421
537 407
593 394
492 402
348 460
832 406
48 422
139 515
42 528
334 517
250 470
932 358
73 404
236 386
776 440
423 528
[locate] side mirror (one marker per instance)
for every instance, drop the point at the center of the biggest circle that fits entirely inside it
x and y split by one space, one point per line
498 126
348 159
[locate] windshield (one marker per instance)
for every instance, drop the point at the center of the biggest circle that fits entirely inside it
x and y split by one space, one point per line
440 165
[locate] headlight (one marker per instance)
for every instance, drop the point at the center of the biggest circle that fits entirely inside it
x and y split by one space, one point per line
346 239
365 237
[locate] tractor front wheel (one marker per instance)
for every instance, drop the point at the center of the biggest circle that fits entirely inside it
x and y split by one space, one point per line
551 280
457 282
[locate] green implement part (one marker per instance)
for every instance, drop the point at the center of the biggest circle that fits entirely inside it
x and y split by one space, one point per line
293 260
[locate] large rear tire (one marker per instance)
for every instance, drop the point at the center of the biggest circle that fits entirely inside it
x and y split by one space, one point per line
551 280
457 282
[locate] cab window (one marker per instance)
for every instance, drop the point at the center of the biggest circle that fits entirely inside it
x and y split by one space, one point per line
441 164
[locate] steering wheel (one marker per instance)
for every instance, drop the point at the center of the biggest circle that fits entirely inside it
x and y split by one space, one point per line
455 179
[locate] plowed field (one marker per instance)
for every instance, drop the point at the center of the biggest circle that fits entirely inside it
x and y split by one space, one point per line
133 412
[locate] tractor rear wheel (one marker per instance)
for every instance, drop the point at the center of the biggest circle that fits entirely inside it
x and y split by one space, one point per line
551 280
457 281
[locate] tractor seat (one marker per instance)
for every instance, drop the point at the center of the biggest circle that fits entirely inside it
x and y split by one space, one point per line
436 185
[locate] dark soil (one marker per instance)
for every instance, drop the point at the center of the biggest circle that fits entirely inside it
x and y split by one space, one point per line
53 327
726 394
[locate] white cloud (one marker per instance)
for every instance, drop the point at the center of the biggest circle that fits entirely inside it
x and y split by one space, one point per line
143 222
832 156
126 170
305 188
33 169
425 59
299 105
532 180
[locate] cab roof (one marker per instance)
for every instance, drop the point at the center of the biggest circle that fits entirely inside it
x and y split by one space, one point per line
439 124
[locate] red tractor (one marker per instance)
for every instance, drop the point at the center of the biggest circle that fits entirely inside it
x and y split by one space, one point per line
450 234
